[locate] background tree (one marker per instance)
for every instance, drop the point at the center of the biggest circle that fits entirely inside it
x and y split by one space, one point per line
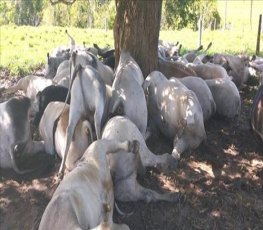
28 12
178 14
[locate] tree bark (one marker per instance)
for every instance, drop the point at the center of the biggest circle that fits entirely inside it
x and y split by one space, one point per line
136 29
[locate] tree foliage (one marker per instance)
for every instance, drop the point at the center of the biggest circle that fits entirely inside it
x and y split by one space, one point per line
178 14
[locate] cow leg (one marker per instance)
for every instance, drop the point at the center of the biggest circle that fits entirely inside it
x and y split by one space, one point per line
70 132
97 122
160 161
130 190
180 146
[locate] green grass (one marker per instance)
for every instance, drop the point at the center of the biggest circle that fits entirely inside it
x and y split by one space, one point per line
232 42
238 13
23 49
239 37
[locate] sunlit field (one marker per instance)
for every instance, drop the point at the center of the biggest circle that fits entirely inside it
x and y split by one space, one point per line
23 49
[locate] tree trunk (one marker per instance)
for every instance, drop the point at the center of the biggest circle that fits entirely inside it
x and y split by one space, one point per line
136 29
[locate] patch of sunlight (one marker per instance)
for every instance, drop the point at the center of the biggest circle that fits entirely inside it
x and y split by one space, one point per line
257 163
231 150
4 201
227 171
166 92
167 183
216 213
201 167
5 120
171 97
121 93
219 81
38 185
196 189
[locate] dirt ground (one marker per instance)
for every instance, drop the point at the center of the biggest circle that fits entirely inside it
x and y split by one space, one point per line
220 182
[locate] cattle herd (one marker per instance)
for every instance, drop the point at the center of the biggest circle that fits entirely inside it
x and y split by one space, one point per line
97 118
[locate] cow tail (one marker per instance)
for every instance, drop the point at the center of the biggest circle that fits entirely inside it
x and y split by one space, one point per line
76 70
54 132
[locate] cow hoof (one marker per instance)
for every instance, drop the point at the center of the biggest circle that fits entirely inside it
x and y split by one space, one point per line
176 155
134 146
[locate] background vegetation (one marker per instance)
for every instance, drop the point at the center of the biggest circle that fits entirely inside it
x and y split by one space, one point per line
31 28
177 14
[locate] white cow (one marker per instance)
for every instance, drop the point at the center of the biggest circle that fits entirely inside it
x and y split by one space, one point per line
176 112
127 62
226 96
85 58
85 197
236 66
203 93
15 135
62 76
209 71
88 99
256 116
30 85
125 166
127 93
52 129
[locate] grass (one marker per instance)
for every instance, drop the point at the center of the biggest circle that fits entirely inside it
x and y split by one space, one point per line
23 49
239 37
224 41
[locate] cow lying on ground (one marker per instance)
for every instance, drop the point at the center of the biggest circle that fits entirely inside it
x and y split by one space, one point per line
125 166
203 93
256 117
169 51
257 64
127 93
236 67
174 68
44 97
108 56
52 129
209 71
15 135
88 99
175 111
85 197
226 96
105 52
190 56
62 76
30 85
53 64
85 58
